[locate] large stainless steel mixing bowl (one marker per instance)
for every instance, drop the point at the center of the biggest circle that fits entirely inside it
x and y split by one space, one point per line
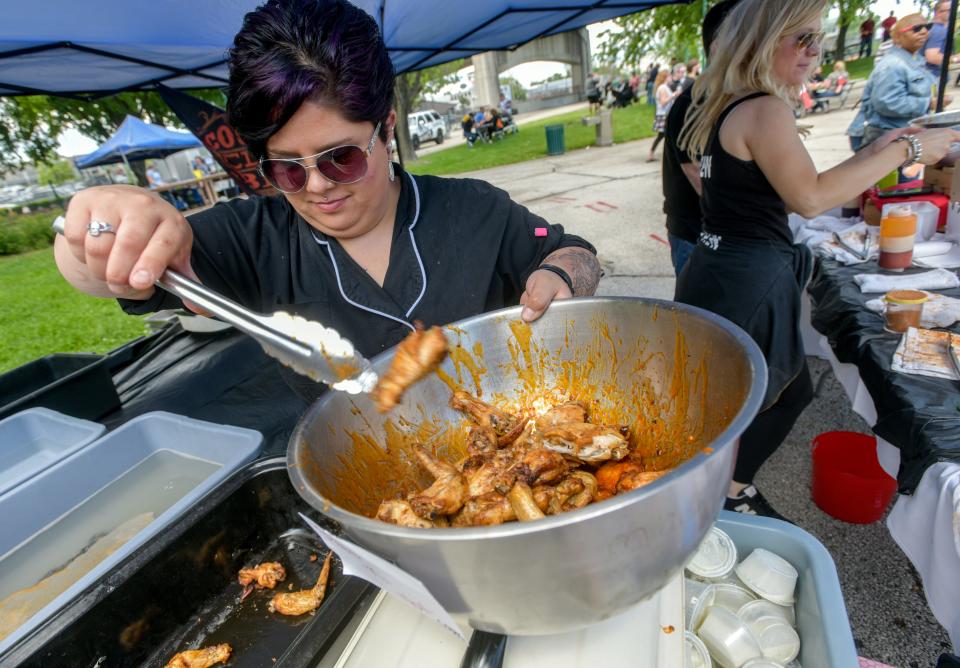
687 381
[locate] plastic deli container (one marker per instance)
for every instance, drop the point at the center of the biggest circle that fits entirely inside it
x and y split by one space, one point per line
715 557
903 309
821 615
898 230
72 524
37 438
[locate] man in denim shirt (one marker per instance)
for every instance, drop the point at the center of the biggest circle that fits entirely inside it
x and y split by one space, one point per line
900 88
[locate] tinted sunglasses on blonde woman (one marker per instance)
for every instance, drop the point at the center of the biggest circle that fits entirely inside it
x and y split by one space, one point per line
340 164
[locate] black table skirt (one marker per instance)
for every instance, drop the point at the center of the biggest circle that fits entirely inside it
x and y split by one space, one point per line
917 414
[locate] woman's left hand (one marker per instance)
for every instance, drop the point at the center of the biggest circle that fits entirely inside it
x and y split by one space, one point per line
542 288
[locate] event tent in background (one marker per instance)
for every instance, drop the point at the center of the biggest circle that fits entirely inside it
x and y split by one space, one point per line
136 140
107 46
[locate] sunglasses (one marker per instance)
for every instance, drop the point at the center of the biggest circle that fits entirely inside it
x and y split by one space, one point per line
809 40
918 28
341 164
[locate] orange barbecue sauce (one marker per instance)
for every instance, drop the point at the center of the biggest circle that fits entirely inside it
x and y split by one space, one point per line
662 398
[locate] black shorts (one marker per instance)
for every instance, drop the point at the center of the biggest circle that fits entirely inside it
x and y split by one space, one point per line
594 98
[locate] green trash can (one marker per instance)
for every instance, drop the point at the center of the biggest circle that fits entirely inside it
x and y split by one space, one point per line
555 143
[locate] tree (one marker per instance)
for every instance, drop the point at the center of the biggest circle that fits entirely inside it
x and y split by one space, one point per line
30 125
517 91
672 31
850 11
409 88
56 172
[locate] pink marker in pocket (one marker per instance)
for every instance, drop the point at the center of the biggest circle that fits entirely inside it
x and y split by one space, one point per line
539 231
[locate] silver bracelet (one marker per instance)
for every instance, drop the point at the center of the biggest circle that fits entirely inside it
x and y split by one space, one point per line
915 149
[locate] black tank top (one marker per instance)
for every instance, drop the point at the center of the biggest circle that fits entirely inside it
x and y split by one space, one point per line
738 200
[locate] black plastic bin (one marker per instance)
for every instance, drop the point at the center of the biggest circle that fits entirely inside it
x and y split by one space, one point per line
556 144
78 384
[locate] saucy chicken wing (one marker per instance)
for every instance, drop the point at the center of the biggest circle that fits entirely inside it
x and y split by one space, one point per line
635 479
489 472
507 427
446 495
400 512
541 466
201 658
572 411
301 602
588 442
480 440
485 510
265 575
417 355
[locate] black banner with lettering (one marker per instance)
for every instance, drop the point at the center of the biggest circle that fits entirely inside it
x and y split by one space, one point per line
209 124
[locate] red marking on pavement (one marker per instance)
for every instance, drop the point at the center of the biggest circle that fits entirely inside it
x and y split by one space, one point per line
660 239
606 204
593 208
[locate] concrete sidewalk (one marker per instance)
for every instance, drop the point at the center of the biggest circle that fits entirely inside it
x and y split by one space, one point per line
613 198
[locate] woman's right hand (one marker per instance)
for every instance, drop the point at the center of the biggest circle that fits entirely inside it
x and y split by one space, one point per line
936 143
149 235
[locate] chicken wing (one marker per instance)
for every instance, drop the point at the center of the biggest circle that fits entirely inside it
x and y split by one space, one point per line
572 411
301 602
480 440
399 512
586 493
485 510
201 658
447 493
524 505
507 427
541 466
489 472
635 479
587 442
417 355
265 575
610 473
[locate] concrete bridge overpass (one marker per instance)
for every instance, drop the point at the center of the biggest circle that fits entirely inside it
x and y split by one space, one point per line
572 48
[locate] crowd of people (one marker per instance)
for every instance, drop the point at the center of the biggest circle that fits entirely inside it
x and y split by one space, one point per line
359 244
485 126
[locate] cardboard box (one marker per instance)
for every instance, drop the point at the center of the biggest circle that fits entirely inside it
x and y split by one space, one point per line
939 178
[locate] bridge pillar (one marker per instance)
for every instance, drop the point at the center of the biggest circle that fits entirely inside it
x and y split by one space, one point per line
486 79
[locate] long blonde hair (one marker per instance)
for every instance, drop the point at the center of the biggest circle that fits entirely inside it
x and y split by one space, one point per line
741 60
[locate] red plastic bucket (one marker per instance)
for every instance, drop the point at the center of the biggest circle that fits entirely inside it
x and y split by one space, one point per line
848 481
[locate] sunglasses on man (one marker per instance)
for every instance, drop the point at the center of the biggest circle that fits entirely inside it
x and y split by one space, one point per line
340 164
920 27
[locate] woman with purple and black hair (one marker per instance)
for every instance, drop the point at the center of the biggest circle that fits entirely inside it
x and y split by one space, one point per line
354 242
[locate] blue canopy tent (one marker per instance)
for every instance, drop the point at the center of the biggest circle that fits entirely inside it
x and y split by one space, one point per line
100 47
136 140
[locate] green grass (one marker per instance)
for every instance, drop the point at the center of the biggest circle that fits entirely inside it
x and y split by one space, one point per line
634 122
42 314
858 69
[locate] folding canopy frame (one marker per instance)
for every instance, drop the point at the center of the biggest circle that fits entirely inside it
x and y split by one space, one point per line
97 48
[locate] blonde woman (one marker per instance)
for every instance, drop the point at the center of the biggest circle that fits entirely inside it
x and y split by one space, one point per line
665 96
753 169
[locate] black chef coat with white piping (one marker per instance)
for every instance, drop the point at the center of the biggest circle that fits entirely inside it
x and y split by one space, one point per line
460 247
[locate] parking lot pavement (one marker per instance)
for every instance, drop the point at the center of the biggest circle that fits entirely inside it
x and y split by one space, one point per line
613 198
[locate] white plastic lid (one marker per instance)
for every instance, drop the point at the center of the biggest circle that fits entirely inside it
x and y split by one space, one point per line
715 557
695 652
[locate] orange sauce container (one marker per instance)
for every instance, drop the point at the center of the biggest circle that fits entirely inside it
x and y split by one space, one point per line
898 229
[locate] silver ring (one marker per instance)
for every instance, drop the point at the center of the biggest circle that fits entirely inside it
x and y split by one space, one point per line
98 227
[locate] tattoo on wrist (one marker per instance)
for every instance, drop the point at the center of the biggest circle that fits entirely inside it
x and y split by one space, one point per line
582 266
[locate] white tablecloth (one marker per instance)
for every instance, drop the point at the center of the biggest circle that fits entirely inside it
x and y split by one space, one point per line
926 524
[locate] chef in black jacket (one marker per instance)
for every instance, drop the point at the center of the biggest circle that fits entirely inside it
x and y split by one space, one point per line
354 242
681 175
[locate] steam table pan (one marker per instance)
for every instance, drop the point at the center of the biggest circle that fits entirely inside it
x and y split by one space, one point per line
180 591
67 528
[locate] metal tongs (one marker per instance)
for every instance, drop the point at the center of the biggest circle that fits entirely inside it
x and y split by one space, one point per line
307 347
859 254
954 354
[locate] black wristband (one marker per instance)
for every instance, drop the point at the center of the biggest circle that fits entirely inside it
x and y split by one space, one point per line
559 272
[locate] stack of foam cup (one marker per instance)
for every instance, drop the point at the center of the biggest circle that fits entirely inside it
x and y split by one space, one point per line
742 613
